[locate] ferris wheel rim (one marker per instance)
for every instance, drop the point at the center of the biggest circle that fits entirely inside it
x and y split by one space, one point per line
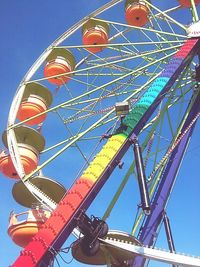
35 66
12 145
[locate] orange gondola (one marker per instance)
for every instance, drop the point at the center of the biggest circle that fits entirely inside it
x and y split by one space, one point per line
33 106
95 33
136 13
30 143
59 63
23 231
29 160
187 3
36 99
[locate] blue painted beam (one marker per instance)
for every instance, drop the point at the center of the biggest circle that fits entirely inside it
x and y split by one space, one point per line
148 234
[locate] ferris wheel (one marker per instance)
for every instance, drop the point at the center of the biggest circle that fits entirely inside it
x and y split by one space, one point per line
111 105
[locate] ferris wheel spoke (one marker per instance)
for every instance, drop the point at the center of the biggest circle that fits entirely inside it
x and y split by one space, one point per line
72 141
170 10
81 96
121 44
144 29
71 135
99 123
169 151
127 47
110 63
165 15
194 11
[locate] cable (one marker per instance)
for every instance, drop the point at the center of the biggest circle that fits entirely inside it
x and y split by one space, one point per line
67 262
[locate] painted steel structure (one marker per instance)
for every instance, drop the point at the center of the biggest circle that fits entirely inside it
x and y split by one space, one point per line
155 254
151 226
63 218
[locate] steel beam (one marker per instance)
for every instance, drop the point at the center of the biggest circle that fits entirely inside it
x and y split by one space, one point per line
148 234
60 225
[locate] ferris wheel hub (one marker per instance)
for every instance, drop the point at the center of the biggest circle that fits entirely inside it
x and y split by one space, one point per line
194 30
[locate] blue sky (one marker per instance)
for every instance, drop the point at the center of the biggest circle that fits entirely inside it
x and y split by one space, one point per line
27 28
